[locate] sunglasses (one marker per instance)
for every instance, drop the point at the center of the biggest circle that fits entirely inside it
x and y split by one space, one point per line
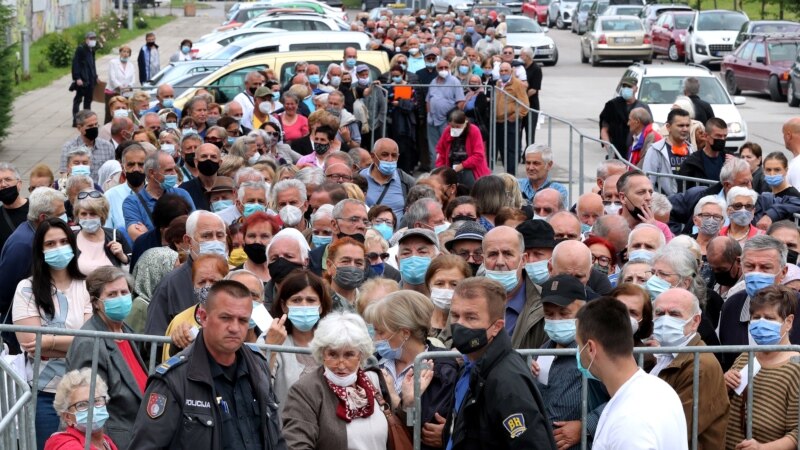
373 255
93 194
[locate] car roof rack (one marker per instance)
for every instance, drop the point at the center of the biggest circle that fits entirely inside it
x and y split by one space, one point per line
699 66
642 65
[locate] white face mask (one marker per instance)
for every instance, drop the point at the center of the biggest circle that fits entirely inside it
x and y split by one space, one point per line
634 325
442 298
265 107
444 73
456 132
348 380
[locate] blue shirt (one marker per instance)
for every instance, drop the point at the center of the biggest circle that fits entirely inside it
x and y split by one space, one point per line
528 192
394 196
514 309
115 197
134 212
443 95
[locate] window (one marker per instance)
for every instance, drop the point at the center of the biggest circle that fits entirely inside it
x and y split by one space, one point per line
227 86
759 51
747 51
783 51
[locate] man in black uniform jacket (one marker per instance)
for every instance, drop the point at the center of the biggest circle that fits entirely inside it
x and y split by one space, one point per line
497 404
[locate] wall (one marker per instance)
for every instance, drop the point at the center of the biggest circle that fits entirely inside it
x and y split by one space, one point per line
54 15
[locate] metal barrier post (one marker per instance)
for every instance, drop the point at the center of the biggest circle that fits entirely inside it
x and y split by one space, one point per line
550 131
749 423
695 398
153 351
571 159
492 131
92 391
37 360
584 411
580 168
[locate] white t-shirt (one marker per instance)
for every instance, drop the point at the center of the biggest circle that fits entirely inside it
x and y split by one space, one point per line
644 414
369 433
793 176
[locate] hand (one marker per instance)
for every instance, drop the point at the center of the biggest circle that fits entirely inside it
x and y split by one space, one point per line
394 399
764 223
648 216
567 434
276 335
140 227
79 82
535 368
748 444
182 335
116 249
458 167
729 157
732 379
345 132
407 388
511 118
30 346
432 431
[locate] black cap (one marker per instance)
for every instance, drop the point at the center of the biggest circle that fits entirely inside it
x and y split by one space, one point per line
562 290
537 234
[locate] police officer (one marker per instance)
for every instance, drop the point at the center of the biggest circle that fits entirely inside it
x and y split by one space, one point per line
216 394
497 404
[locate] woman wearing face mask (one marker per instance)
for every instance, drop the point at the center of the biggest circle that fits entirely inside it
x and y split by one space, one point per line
72 403
709 216
461 148
604 258
169 141
741 209
97 246
401 117
775 168
346 88
442 276
119 361
54 296
346 271
184 52
302 302
138 104
273 145
121 76
401 321
339 405
640 308
775 388
461 69
258 229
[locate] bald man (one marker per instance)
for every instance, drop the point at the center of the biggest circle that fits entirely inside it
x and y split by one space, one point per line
611 203
565 226
574 258
791 139
614 229
589 208
504 259
546 203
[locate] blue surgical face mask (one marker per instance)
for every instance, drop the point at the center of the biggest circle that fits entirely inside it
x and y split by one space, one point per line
319 241
655 286
230 140
64 218
413 268
741 217
118 308
463 70
170 181
505 78
560 331
59 257
387 352
441 228
641 254
626 93
584 370
773 180
169 148
384 229
537 271
755 281
81 170
351 62
214 248
508 278
90 225
251 208
766 332
430 65
470 30
99 418
313 79
668 330
219 205
304 317
387 167
397 80
168 102
585 228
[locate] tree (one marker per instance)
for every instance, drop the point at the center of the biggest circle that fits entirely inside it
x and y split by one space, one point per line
8 60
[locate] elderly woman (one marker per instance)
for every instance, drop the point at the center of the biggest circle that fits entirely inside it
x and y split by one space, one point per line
78 164
138 104
337 407
303 300
218 136
441 278
346 270
274 146
152 266
741 207
378 254
751 153
604 257
54 296
258 229
640 308
243 147
710 214
72 402
121 77
98 246
117 107
636 271
401 321
321 228
118 361
775 169
374 289
169 141
294 124
383 220
775 388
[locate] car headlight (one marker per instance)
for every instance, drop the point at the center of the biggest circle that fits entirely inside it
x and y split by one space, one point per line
551 46
681 37
734 127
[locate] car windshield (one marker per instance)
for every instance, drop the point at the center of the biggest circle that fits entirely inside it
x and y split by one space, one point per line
776 28
622 25
664 90
226 52
783 51
523 26
542 2
585 6
683 21
720 21
628 10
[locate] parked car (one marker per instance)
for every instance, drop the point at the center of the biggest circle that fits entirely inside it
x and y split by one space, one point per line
537 10
211 43
445 6
580 22
297 21
659 85
712 34
564 12
484 8
244 13
178 70
650 12
669 34
292 41
525 32
395 9
616 38
761 64
515 6
756 27
600 8
228 81
623 10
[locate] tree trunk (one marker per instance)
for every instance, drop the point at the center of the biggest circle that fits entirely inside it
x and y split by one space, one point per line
763 9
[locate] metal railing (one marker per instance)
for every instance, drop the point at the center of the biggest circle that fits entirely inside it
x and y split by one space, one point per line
16 410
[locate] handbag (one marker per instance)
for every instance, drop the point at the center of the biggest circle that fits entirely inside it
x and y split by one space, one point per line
399 437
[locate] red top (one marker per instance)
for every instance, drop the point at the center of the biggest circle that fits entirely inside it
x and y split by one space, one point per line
73 439
138 371
476 155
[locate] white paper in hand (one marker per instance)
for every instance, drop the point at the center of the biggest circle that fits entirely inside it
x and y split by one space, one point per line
545 362
261 317
743 373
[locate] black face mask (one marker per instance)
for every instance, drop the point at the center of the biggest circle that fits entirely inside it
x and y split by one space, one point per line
253 90
345 85
151 44
725 279
474 267
358 237
321 149
791 257
718 145
135 179
464 218
257 253
208 167
189 158
468 340
91 133
10 194
281 268
636 212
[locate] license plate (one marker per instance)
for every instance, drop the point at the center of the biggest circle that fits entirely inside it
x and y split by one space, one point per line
721 53
546 51
624 40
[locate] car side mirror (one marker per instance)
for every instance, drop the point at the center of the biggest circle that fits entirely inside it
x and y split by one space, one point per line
545 30
690 29
761 59
739 100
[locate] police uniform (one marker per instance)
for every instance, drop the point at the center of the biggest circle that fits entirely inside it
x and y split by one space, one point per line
502 408
194 403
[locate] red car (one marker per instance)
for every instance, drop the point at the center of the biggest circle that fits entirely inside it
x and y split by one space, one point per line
761 64
669 34
537 10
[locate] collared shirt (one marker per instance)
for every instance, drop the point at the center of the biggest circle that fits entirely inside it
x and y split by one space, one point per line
134 211
238 405
663 360
397 378
394 195
99 153
187 176
514 309
340 303
443 95
529 192
115 197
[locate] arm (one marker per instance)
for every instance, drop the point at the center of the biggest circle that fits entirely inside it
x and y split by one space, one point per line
299 432
52 346
76 64
158 432
14 269
441 151
476 153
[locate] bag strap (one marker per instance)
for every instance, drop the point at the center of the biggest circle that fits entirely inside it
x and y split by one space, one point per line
7 218
146 208
385 190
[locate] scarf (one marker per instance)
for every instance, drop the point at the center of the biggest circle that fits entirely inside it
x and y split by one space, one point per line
355 401
151 267
636 148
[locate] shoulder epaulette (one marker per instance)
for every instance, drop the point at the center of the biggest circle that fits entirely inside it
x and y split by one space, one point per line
171 363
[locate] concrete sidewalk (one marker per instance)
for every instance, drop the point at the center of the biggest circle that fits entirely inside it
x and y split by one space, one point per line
43 118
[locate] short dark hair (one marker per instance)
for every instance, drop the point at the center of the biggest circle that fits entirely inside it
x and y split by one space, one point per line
622 182
677 112
295 282
458 201
490 290
168 207
328 131
118 152
230 287
778 156
715 122
778 295
607 322
646 325
335 190
782 225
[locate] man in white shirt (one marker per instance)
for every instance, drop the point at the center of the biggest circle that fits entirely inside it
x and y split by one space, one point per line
644 412
252 82
791 139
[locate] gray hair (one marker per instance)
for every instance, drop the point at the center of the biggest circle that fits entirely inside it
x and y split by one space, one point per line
419 212
339 330
77 151
711 199
76 180
660 204
322 212
603 168
684 263
420 191
4 166
73 380
236 273
291 95
765 242
189 107
527 51
132 148
41 202
341 156
291 234
151 163
194 217
661 239
150 114
547 152
251 185
191 137
691 86
685 103
642 116
739 191
731 168
247 172
83 116
99 206
285 185
339 208
310 175
239 147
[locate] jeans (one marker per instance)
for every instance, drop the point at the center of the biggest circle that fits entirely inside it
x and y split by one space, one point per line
507 136
47 420
434 133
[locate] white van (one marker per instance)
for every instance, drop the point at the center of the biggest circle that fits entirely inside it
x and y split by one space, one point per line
292 41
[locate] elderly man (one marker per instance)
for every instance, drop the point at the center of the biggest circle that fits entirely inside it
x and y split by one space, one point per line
120 130
165 96
246 99
251 197
426 213
547 202
445 92
287 251
504 259
575 259
133 159
611 203
151 122
490 44
565 226
205 234
539 241
349 220
467 244
640 123
416 60
787 232
511 107
207 160
613 228
350 61
606 169
338 167
190 142
589 208
386 184
635 194
332 78
100 150
723 256
291 193
676 318
708 161
538 163
507 56
349 134
668 155
644 241
416 249
222 195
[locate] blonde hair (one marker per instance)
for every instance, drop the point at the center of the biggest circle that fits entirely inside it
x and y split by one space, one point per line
402 310
138 96
117 99
73 380
98 206
353 191
230 165
514 197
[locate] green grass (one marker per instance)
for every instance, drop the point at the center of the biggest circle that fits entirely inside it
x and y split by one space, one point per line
179 4
751 7
42 74
352 4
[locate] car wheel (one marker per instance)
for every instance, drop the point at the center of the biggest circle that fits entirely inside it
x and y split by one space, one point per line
792 95
730 84
775 93
548 21
673 52
584 59
560 23
594 58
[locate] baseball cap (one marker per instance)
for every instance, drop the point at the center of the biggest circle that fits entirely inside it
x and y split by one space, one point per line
429 52
425 233
362 68
631 81
470 231
537 234
263 91
222 184
562 290
90 34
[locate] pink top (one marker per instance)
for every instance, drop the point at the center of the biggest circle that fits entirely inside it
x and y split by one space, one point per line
310 158
753 232
295 131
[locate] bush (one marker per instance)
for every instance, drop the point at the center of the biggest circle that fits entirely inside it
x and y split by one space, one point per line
8 60
59 50
141 23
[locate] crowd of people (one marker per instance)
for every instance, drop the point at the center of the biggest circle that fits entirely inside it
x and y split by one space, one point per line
269 220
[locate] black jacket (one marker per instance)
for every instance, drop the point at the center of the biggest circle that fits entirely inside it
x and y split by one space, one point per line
303 145
503 409
615 117
198 193
141 63
83 67
180 410
693 167
702 109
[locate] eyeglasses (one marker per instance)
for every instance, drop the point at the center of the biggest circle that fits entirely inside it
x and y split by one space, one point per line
338 177
739 206
348 356
477 255
603 260
354 220
373 256
93 194
273 133
9 181
663 275
81 406
508 53
716 217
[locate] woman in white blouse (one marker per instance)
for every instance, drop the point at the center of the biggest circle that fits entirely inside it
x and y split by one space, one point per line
121 75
